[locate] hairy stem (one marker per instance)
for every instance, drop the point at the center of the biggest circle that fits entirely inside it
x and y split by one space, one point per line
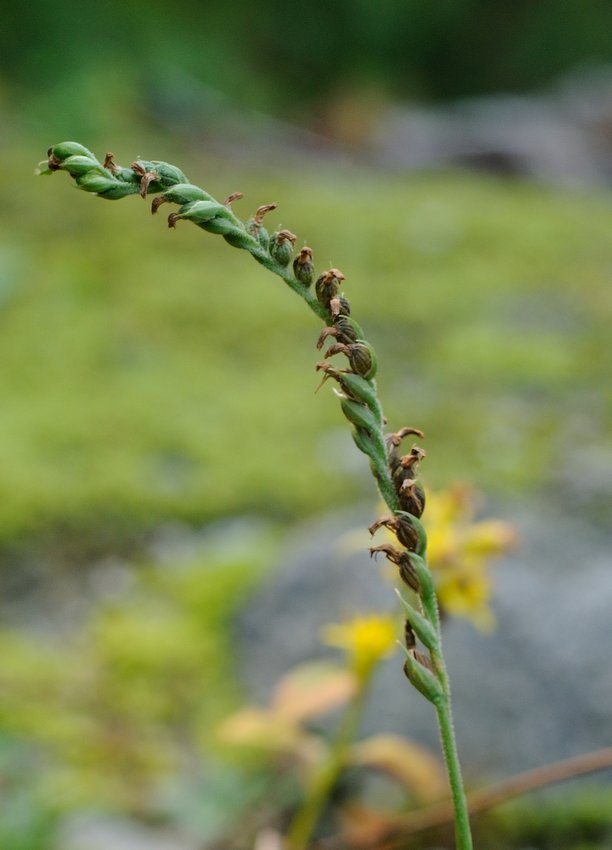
463 835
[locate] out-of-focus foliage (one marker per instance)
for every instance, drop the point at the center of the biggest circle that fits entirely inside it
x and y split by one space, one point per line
129 700
284 731
582 820
296 57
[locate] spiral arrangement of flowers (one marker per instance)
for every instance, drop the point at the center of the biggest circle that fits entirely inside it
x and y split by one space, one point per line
396 474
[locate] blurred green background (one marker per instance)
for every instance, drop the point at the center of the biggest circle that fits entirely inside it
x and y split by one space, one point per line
156 383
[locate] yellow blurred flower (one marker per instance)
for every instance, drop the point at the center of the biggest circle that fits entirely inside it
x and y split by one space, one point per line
459 550
366 639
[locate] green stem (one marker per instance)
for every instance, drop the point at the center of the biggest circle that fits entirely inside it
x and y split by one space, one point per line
385 484
267 262
309 815
463 835
444 712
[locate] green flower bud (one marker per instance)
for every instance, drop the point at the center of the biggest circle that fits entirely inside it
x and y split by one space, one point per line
96 183
362 417
353 386
364 442
200 212
419 625
421 678
233 234
423 574
182 193
214 218
119 190
281 246
168 175
78 165
303 268
58 153
160 174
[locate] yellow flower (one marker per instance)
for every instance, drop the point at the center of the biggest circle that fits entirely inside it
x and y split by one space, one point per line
459 551
465 591
367 640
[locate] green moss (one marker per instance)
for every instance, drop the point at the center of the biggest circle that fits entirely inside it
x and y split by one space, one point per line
561 819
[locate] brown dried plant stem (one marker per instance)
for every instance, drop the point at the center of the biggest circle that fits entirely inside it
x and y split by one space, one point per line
396 475
481 801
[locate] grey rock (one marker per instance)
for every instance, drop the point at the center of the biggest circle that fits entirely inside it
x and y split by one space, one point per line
537 689
561 135
102 832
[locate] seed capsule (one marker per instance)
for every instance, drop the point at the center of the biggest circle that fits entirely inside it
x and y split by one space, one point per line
401 526
281 246
402 561
327 286
361 357
393 442
303 267
340 306
406 466
412 497
409 636
347 331
342 330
